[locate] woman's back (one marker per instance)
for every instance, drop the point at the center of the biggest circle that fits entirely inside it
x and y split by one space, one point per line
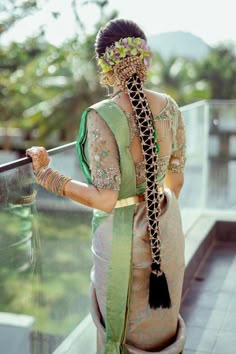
102 148
158 104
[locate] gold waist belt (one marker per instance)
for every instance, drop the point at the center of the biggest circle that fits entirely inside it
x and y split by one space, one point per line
136 199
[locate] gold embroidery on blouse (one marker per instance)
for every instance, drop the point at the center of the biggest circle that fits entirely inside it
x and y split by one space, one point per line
163 162
133 128
140 171
104 155
178 156
177 162
107 178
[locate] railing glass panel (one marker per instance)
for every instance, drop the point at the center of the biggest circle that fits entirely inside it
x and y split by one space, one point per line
44 254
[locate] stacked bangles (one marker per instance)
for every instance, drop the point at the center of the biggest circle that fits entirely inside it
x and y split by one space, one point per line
52 180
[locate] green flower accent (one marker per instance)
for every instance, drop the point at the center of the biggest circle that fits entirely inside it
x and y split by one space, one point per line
134 51
156 143
123 48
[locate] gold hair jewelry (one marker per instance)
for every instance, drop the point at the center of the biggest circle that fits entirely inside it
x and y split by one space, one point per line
107 79
126 68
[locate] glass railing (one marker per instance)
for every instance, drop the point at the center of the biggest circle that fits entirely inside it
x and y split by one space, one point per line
210 174
45 239
45 258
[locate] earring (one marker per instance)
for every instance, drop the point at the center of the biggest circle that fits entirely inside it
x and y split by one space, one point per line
107 80
111 80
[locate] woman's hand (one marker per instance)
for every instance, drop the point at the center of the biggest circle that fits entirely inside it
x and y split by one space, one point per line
39 157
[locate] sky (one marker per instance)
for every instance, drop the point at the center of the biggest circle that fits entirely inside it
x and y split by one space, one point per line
212 20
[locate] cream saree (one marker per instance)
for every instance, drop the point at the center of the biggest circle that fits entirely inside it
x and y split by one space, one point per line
148 331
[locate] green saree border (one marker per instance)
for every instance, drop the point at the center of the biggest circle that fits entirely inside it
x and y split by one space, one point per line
119 273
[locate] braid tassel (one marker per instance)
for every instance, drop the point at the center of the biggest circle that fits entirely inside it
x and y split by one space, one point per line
159 295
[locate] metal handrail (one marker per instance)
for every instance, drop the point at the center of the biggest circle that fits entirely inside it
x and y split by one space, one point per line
201 103
25 160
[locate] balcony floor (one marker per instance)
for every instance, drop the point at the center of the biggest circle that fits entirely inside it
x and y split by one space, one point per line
209 306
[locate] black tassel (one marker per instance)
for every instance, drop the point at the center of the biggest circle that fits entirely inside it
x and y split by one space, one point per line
159 296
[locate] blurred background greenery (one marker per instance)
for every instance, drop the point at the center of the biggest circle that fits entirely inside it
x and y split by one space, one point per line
41 84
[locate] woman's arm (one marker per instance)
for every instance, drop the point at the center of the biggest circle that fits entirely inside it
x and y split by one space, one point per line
89 195
174 178
86 194
103 160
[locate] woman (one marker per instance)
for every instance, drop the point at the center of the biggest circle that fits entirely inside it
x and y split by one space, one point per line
132 150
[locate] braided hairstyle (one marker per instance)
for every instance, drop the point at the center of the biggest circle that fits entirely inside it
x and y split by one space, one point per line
130 73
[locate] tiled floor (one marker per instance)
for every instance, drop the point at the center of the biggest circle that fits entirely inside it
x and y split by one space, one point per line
209 308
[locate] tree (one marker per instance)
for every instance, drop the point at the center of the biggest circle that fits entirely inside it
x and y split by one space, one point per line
214 77
218 71
12 11
174 76
42 84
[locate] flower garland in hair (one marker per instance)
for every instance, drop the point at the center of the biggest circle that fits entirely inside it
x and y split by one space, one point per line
125 47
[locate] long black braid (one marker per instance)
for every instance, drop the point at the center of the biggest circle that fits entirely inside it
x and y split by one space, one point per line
129 73
158 291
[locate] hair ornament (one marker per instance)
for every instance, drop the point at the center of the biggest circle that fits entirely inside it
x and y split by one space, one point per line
125 47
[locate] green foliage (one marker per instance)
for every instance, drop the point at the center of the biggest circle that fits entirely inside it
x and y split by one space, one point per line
218 71
174 76
214 77
12 11
44 88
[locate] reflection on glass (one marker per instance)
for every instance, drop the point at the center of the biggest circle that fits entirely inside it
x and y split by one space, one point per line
45 258
211 154
192 193
222 156
17 198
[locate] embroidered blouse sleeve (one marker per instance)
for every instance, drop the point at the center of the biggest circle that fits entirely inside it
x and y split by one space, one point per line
102 153
178 156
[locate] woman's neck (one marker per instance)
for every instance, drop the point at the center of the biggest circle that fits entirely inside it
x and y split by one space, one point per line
116 89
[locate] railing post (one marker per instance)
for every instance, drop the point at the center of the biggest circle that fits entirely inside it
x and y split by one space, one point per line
205 142
15 332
